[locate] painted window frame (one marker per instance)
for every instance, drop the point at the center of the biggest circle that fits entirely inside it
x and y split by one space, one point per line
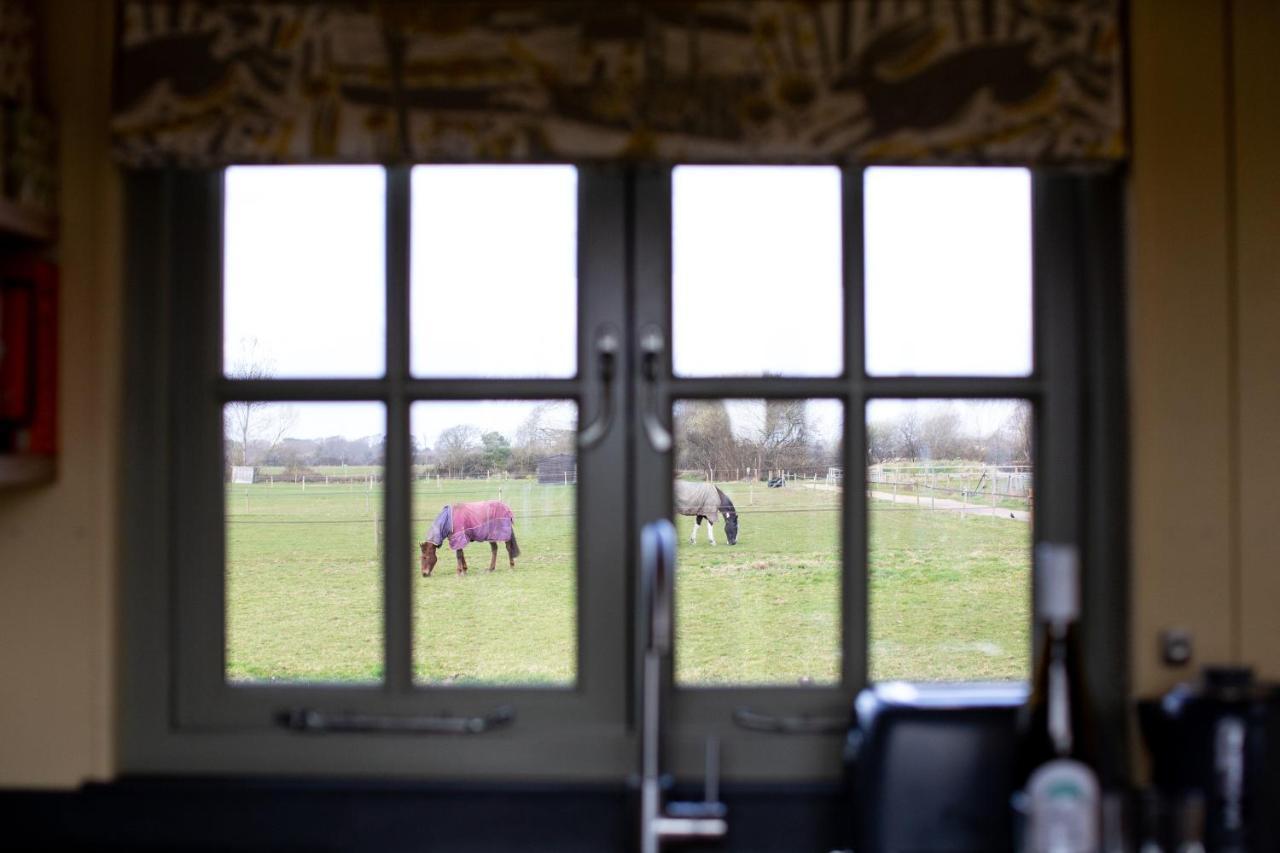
182 718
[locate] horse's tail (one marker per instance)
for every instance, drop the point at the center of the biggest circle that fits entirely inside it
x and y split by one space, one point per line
515 546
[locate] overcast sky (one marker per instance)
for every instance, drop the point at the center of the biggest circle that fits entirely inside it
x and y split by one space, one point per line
756 278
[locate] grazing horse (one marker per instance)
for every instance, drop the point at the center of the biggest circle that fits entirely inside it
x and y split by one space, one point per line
706 502
462 524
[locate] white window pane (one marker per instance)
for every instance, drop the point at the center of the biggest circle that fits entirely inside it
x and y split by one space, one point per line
948 271
303 286
949 511
494 276
756 271
510 466
758 496
304 534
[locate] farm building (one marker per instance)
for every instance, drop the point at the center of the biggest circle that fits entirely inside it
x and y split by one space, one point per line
558 470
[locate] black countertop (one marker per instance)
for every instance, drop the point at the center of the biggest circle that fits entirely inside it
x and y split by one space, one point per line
186 814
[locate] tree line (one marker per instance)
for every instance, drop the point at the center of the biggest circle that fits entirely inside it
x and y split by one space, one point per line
938 431
256 435
778 435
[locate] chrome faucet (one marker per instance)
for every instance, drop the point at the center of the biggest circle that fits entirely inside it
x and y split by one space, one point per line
688 821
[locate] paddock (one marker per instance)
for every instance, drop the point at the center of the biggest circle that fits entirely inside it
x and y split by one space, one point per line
949 592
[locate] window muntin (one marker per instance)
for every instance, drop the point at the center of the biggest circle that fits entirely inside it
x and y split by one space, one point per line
949 512
303 255
948 272
304 533
516 625
756 283
494 279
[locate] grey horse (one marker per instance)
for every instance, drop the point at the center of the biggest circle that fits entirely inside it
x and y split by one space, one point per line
706 501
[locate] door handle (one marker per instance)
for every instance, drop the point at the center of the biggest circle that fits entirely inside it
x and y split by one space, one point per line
789 724
652 347
608 342
340 722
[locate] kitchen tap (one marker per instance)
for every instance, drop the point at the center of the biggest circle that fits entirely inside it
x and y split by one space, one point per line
688 821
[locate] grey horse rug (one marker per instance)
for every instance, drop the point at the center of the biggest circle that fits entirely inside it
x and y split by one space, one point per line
698 499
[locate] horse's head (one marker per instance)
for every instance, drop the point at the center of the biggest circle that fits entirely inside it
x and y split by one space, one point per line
731 527
429 557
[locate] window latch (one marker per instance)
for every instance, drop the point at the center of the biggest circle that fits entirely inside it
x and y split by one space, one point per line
793 724
652 347
309 720
607 346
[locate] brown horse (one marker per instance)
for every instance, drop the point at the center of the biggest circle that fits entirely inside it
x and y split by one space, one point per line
462 524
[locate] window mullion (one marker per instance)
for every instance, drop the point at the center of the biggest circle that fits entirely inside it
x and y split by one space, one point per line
855 638
397 589
1055 294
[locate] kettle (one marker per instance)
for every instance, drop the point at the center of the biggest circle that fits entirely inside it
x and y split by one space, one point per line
1220 739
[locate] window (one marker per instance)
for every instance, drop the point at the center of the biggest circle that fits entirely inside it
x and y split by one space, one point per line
327 362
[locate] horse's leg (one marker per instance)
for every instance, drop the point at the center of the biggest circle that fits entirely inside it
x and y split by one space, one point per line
511 553
693 534
711 531
462 562
493 556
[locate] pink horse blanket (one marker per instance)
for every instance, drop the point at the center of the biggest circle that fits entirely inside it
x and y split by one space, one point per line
482 521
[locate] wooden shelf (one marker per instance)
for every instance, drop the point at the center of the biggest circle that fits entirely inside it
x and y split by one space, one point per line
26 469
23 222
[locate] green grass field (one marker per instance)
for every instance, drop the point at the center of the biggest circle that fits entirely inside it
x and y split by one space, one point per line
949 595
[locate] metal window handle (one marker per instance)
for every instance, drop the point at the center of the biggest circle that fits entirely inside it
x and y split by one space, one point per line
652 347
310 720
608 342
657 565
793 724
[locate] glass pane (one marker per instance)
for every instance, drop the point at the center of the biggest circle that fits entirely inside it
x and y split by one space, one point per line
494 271
949 510
756 271
498 481
303 283
304 541
948 271
758 494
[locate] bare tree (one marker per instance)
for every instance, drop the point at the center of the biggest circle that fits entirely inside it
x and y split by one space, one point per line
940 434
880 435
457 447
249 422
1021 428
542 434
780 436
908 439
704 437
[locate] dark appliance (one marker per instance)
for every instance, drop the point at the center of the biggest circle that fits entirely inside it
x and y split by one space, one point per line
1220 739
930 768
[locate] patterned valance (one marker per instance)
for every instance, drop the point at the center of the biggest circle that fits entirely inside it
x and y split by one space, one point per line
211 82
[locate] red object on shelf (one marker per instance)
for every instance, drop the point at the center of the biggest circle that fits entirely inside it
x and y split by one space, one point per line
28 356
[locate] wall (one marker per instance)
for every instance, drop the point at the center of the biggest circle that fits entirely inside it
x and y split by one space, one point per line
1204 343
1204 311
57 543
1256 148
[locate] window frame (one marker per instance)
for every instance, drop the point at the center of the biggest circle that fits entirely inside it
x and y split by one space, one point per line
175 724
